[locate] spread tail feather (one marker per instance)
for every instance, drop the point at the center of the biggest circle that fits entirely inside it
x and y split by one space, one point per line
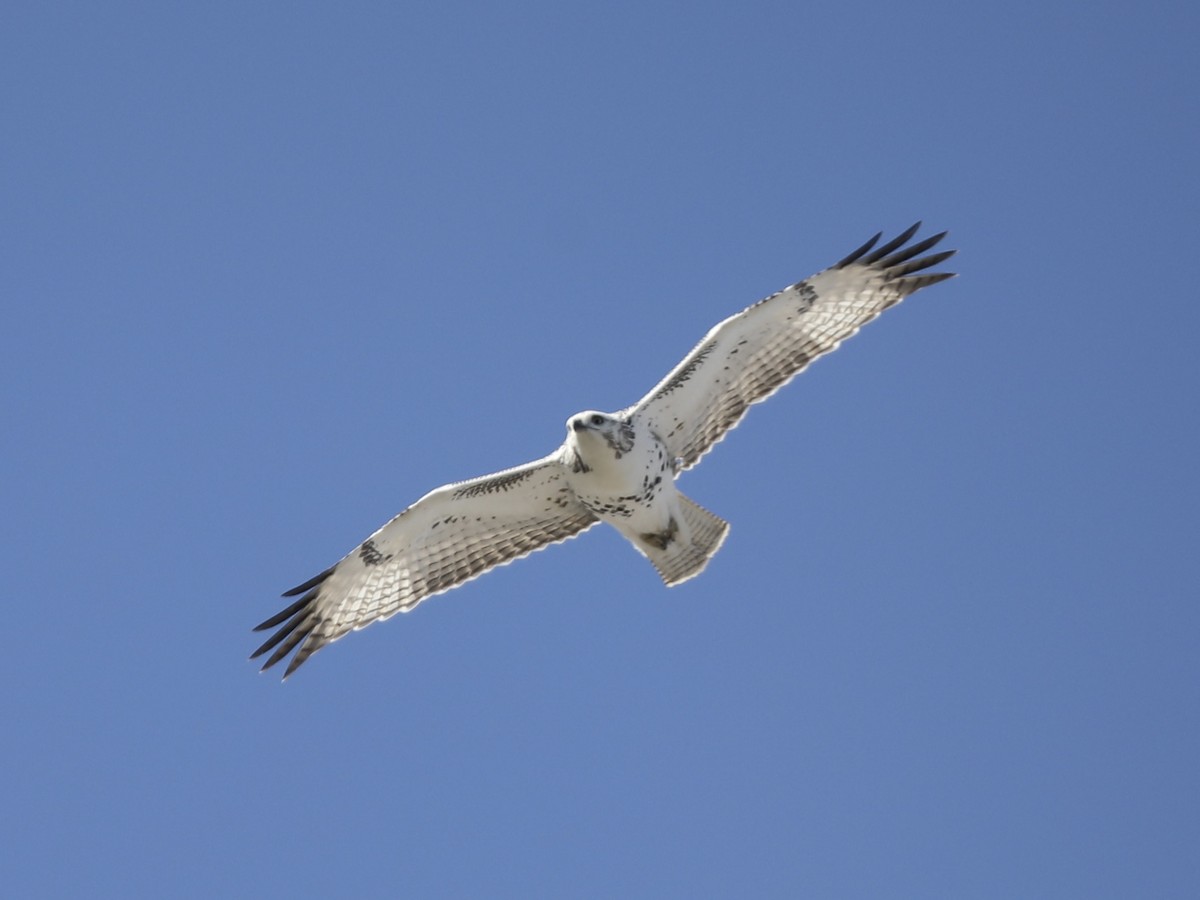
684 550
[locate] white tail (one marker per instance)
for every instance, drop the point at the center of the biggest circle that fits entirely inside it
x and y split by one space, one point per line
683 551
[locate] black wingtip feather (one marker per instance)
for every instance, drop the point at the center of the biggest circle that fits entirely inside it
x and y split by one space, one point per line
854 257
916 265
310 584
295 624
897 262
914 283
892 245
906 253
286 614
279 635
288 646
297 661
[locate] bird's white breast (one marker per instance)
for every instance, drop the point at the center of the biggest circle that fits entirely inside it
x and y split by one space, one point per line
631 486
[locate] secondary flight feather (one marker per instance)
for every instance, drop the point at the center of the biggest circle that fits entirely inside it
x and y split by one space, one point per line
618 468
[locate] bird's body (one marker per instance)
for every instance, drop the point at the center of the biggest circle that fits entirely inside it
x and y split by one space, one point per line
618 468
623 472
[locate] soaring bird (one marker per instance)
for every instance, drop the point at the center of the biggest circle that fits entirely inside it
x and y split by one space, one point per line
617 467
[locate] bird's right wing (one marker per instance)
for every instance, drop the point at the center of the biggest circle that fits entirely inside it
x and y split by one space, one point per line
449 536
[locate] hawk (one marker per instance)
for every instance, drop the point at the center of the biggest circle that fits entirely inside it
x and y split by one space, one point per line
618 468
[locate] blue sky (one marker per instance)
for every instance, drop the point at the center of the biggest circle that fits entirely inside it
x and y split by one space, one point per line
273 271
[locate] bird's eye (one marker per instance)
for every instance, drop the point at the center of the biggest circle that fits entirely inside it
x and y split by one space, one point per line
597 420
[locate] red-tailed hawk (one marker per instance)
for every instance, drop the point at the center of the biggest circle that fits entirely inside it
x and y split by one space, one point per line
618 468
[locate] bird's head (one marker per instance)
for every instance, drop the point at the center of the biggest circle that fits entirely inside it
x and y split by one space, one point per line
589 421
592 432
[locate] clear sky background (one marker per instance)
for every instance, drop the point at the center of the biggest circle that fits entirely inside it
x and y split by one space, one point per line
270 272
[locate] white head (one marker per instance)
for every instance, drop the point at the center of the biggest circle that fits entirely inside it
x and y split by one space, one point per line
595 433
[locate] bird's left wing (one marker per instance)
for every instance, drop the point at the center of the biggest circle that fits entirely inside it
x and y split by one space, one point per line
749 356
449 536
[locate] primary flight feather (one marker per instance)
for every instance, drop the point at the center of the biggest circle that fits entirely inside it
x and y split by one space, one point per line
618 468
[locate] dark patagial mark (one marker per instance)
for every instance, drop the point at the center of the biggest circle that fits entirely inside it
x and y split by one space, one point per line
680 378
492 485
